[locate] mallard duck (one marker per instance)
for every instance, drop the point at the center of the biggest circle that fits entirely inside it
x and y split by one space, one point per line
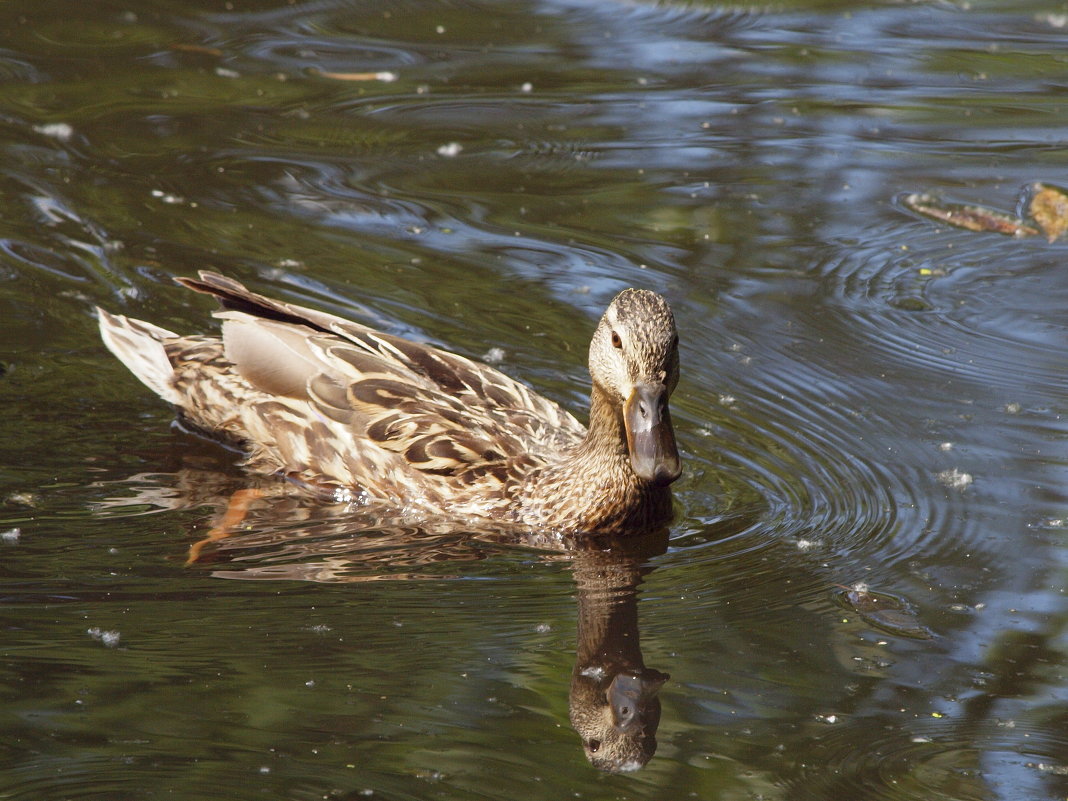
355 414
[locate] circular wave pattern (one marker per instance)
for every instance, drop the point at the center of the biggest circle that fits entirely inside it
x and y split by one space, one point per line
894 766
793 438
974 306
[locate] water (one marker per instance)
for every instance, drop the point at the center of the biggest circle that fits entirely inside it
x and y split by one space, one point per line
867 397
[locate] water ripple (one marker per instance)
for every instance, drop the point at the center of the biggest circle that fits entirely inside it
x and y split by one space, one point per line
962 305
929 758
805 456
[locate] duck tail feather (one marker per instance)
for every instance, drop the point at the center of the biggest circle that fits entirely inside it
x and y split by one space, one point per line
139 345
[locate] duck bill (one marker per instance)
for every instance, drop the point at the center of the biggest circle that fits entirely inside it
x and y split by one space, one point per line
629 695
650 437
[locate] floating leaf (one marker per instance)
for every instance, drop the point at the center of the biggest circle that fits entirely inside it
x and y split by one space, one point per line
911 303
972 218
1048 206
883 610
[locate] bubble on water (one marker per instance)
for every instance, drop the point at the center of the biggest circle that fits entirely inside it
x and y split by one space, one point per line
11 536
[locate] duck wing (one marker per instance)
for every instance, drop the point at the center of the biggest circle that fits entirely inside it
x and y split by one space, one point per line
440 412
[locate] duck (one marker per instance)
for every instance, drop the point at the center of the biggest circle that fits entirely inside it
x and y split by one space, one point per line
361 416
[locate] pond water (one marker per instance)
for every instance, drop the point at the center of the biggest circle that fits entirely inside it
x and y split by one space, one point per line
867 398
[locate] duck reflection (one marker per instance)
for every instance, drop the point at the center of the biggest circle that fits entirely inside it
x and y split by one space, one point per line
265 533
613 701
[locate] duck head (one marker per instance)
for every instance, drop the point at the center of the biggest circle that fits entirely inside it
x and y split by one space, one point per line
634 361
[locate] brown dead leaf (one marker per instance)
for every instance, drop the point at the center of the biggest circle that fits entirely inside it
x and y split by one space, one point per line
1049 208
971 218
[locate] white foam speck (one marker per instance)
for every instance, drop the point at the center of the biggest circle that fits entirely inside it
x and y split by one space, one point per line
493 356
955 479
57 130
108 638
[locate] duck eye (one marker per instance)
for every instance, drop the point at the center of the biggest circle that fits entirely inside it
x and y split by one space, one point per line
616 341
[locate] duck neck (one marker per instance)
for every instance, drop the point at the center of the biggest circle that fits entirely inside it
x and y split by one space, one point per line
594 486
605 446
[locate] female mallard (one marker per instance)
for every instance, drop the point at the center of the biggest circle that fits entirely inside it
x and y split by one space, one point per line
354 413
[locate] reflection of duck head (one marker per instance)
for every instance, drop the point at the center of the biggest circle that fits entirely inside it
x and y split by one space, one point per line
616 719
613 701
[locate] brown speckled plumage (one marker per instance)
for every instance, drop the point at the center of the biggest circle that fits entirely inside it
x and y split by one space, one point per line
342 409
